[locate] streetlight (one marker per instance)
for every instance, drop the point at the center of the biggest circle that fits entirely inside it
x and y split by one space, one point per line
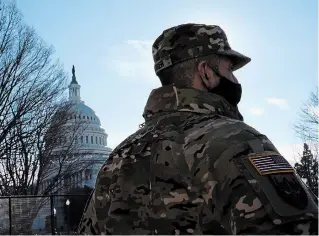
67 203
54 220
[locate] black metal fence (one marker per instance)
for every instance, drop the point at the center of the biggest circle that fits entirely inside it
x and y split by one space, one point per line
53 214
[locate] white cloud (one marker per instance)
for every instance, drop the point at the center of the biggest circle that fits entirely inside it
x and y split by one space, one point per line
144 47
257 111
281 103
132 59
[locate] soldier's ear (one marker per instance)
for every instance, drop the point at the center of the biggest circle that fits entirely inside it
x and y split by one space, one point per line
202 70
201 67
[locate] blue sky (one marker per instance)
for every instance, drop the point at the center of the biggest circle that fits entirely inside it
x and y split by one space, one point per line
109 42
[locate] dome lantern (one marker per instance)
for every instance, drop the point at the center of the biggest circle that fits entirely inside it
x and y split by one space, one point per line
74 89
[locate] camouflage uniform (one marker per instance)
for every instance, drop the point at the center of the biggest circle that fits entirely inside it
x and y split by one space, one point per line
195 167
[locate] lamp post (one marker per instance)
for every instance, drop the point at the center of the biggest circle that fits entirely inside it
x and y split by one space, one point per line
54 221
67 203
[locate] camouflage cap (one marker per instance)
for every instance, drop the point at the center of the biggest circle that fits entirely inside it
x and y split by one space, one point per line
187 41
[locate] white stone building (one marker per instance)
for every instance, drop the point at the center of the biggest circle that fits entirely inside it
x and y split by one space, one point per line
92 149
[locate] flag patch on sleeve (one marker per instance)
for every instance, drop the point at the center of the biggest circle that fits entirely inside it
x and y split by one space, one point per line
271 164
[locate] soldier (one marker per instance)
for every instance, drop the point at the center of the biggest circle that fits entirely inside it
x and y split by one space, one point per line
195 167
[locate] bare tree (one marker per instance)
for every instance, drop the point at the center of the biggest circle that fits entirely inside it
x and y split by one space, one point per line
38 136
307 129
307 126
31 91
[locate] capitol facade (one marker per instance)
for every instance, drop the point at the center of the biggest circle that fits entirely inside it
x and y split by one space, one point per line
91 146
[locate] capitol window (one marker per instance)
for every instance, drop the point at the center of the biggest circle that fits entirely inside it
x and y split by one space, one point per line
81 139
87 139
95 140
91 139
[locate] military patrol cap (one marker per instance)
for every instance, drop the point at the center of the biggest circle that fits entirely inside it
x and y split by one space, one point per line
188 41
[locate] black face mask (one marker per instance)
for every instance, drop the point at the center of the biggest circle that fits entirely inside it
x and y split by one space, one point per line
228 90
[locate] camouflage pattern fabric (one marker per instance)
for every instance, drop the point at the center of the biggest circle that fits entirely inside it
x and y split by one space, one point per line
188 41
187 171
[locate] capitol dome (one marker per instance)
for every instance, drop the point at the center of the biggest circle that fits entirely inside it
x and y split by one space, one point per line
90 152
93 137
85 112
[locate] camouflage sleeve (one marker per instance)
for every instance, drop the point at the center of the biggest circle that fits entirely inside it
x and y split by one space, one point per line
257 192
88 224
96 211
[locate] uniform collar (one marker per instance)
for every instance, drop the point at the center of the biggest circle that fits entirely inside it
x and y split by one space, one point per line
170 99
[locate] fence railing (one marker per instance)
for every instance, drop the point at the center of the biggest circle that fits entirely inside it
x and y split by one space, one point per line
51 214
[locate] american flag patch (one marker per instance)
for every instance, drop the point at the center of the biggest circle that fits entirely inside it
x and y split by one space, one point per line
271 164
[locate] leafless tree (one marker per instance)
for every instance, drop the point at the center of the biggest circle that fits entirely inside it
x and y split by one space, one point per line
307 126
38 137
307 129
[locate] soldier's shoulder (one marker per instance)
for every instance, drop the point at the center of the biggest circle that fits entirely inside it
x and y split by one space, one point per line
216 134
141 135
221 127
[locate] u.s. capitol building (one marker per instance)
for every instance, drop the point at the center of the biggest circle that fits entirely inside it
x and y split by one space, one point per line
91 146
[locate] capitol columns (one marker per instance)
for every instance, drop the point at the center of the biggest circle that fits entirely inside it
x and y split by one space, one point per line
83 177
